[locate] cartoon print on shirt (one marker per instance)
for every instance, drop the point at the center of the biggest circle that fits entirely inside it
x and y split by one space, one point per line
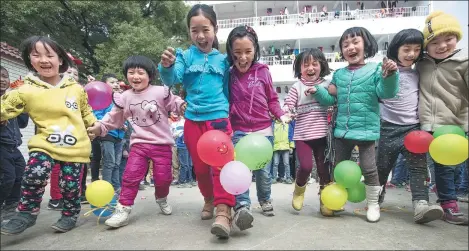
62 138
71 103
145 113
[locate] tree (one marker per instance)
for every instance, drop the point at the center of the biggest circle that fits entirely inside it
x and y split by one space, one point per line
80 26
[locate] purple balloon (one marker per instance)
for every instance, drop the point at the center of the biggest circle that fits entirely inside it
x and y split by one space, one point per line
235 177
99 95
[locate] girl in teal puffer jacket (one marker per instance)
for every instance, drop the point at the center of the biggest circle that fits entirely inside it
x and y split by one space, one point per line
357 90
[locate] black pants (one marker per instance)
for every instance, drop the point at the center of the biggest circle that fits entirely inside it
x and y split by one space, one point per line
95 160
12 166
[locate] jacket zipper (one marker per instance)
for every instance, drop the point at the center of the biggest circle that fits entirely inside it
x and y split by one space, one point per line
348 102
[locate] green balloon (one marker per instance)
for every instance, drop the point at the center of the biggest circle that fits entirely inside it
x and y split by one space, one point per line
357 193
254 150
448 129
347 173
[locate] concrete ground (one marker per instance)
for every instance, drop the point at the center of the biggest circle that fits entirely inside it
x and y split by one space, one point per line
150 230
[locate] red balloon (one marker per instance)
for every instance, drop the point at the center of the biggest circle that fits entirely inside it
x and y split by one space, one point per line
418 141
99 95
215 148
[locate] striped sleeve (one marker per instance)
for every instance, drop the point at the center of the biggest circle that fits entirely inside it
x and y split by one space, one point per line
292 98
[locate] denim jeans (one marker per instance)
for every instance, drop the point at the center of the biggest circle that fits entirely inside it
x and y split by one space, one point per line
285 155
122 168
185 167
401 173
263 179
461 179
431 168
112 155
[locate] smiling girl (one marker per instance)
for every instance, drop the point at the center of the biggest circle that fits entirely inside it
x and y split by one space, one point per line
61 137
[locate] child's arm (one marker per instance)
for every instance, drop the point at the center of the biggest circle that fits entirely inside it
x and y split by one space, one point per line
173 73
323 96
226 84
86 112
173 103
292 98
387 87
112 120
11 105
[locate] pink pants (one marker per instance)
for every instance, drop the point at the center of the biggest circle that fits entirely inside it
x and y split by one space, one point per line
55 193
208 178
136 168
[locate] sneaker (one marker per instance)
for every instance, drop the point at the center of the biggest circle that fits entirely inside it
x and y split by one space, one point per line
194 183
267 208
288 181
142 186
280 180
243 218
84 200
164 206
8 211
120 217
65 223
184 185
463 197
274 181
55 205
390 185
152 182
174 182
146 183
424 213
310 181
452 214
18 223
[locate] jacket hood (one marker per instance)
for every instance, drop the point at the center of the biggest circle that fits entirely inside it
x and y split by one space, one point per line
34 80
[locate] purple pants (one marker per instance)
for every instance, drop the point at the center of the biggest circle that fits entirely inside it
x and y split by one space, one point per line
136 168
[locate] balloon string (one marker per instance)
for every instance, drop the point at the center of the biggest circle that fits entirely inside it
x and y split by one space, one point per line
104 209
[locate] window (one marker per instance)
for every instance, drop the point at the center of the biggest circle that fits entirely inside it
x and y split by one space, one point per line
286 89
279 90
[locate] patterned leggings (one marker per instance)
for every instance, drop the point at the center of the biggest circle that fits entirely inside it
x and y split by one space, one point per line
36 175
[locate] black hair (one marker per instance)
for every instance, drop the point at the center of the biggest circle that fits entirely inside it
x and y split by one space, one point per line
142 62
240 32
29 45
403 37
369 42
3 68
109 75
207 12
305 57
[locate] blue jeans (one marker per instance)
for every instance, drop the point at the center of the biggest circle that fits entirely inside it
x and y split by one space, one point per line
400 173
112 155
263 179
185 167
122 168
462 185
285 155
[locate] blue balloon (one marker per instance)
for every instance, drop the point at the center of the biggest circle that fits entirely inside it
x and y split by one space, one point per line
106 212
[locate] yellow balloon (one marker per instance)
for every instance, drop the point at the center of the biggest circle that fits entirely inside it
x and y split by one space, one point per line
449 149
334 196
99 193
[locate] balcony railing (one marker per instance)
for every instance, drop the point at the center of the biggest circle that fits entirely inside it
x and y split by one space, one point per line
308 18
330 57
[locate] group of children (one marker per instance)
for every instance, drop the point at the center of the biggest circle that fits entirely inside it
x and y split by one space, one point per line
234 93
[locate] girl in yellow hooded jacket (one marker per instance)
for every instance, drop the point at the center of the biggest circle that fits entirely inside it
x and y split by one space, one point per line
58 106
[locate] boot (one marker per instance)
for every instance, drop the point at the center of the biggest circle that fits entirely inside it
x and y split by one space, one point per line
65 223
372 194
120 217
222 225
424 213
298 197
207 210
323 209
18 223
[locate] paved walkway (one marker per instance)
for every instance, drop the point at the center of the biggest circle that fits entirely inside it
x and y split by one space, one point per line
150 230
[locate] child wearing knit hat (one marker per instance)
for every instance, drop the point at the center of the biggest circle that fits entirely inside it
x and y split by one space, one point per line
443 98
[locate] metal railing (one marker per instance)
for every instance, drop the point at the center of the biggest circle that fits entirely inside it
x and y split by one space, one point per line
308 18
330 57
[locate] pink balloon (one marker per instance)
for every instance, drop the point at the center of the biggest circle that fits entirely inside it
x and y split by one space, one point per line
99 95
235 177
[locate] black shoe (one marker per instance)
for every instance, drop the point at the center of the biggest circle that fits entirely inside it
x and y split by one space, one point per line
65 223
8 211
381 196
55 205
18 223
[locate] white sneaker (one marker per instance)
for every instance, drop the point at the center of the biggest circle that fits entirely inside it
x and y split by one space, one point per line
423 213
164 206
120 217
372 193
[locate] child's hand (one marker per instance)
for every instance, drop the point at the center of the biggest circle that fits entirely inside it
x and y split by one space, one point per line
94 130
311 90
183 108
90 78
168 58
388 67
285 119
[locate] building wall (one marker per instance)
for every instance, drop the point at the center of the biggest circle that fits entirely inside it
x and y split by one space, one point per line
15 70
